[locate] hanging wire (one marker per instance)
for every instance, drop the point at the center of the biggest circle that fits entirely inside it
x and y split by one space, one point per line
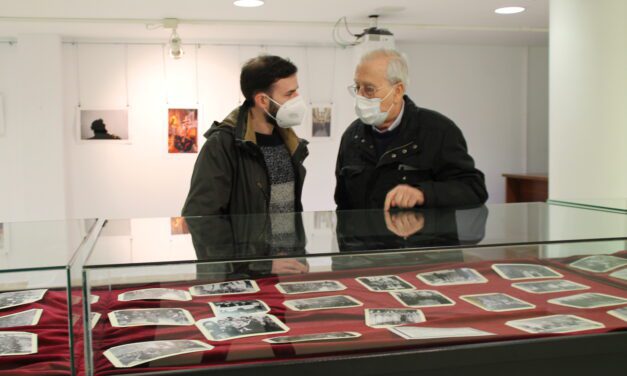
332 86
196 66
126 74
308 75
338 39
165 75
78 75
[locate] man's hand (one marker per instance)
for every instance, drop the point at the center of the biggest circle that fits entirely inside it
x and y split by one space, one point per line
288 266
404 223
403 196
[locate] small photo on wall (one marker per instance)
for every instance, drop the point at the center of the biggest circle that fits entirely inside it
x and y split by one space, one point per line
3 246
321 121
182 130
108 124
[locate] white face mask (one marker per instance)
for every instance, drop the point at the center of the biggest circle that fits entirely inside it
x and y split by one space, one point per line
369 109
290 113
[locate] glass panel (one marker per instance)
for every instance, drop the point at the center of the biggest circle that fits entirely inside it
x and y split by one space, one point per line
34 280
166 240
347 304
614 204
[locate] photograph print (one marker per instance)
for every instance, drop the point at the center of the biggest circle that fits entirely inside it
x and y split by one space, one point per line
321 121
497 302
620 274
155 294
384 283
554 324
460 276
550 286
18 298
182 130
422 332
150 316
17 343
589 300
323 302
24 318
387 317
422 298
245 286
524 271
133 354
331 336
233 327
104 125
599 263
619 313
238 307
309 287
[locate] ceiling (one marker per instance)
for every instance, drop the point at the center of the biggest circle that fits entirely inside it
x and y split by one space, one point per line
278 21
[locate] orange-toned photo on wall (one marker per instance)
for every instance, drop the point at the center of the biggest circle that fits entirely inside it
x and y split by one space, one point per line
182 130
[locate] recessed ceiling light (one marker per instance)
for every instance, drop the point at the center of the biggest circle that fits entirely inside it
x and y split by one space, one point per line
509 10
248 3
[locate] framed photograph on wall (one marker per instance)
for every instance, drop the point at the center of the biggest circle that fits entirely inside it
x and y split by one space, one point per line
103 125
2 129
321 120
182 130
4 239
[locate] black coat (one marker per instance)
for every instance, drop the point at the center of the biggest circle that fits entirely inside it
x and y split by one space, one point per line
429 153
230 175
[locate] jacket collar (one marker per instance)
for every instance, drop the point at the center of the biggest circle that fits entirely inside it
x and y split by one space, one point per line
240 120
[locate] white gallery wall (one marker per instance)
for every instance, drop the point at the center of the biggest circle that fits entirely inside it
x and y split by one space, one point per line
484 89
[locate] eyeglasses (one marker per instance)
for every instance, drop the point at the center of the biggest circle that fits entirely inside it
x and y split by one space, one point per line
368 90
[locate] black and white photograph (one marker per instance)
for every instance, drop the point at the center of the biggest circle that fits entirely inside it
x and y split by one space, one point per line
387 317
323 302
155 294
317 337
232 327
516 272
589 300
422 332
497 302
18 298
309 286
599 263
17 343
620 274
245 286
103 125
321 121
460 276
385 283
150 316
24 318
422 298
134 354
239 307
550 286
94 317
619 313
554 324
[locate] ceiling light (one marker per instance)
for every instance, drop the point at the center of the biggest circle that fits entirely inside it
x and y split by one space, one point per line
175 44
509 10
248 3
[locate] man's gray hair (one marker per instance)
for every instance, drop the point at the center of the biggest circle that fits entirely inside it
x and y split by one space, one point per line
397 70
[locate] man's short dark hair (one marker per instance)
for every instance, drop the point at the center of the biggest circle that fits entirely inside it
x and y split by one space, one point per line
261 72
98 125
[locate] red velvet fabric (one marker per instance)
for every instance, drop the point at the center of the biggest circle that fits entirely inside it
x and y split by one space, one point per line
253 349
53 356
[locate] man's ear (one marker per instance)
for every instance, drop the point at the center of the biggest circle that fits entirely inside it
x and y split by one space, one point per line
261 100
400 90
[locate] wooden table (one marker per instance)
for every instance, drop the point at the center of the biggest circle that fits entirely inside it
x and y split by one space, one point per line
526 188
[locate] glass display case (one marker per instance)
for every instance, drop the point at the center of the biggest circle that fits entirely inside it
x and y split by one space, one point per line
40 295
514 287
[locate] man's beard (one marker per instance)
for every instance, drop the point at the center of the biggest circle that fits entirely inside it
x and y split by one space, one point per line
272 109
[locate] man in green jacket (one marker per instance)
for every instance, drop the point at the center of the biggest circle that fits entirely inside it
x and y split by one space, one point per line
252 162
